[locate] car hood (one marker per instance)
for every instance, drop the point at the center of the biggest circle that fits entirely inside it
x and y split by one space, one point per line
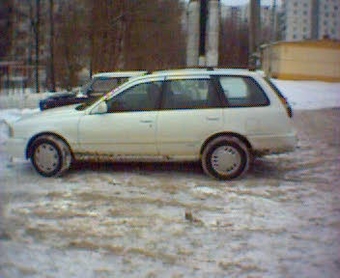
63 120
60 95
67 110
57 113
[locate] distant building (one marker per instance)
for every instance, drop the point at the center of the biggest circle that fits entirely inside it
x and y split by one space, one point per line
310 19
303 60
237 14
329 19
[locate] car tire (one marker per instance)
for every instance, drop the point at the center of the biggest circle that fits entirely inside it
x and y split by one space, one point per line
50 156
225 158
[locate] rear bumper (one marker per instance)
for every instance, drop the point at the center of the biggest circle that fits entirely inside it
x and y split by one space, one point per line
263 145
15 147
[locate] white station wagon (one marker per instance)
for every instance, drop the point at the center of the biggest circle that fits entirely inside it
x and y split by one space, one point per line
220 117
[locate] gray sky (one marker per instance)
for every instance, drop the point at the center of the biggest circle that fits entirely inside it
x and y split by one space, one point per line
242 2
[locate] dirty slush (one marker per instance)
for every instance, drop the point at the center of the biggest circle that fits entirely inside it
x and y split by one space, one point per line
282 219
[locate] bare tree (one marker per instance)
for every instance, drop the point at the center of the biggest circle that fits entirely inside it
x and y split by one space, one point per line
6 25
36 28
137 35
234 43
71 42
102 35
52 85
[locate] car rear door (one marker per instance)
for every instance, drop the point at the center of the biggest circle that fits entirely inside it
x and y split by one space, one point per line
191 112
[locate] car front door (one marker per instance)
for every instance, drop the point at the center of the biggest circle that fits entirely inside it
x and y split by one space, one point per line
191 112
129 126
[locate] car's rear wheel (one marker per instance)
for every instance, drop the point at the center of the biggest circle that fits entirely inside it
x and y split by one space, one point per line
225 158
50 156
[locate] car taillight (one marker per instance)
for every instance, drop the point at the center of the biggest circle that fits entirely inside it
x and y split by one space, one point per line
289 109
283 100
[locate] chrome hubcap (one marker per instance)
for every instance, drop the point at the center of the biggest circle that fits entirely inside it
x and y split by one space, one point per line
46 157
226 160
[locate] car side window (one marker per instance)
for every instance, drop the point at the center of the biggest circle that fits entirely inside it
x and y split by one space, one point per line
141 97
242 92
190 94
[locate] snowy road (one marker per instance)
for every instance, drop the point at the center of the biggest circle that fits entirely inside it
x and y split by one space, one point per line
170 220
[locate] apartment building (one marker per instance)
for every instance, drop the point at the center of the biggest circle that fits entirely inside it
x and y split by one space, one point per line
310 19
329 19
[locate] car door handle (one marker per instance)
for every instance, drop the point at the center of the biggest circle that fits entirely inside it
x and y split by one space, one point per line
213 118
146 121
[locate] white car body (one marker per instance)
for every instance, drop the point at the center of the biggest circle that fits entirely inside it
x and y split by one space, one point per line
159 134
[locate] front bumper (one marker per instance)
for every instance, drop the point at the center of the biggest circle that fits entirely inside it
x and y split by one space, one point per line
16 147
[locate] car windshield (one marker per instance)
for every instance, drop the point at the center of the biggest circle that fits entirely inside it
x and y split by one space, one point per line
89 102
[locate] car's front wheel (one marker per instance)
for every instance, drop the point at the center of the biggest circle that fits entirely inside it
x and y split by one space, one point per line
225 158
50 156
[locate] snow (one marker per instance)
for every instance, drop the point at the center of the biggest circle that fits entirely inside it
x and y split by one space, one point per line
307 95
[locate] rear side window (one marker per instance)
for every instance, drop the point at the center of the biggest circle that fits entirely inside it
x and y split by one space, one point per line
190 94
242 91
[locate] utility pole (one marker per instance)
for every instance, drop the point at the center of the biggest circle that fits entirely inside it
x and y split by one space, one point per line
193 33
254 32
52 75
274 22
37 31
213 30
315 19
203 33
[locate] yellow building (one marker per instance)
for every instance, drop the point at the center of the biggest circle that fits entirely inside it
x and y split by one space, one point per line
305 60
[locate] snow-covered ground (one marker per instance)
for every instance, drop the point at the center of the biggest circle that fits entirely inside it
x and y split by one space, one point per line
310 94
168 220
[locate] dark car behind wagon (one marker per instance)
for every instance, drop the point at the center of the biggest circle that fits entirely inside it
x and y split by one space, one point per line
98 85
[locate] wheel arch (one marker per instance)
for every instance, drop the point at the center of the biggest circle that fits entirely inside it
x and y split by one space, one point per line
242 138
29 149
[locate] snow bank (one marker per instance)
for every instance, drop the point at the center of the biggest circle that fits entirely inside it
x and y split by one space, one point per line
303 95
21 100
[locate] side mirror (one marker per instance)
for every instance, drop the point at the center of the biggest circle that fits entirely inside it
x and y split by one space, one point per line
88 92
101 108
